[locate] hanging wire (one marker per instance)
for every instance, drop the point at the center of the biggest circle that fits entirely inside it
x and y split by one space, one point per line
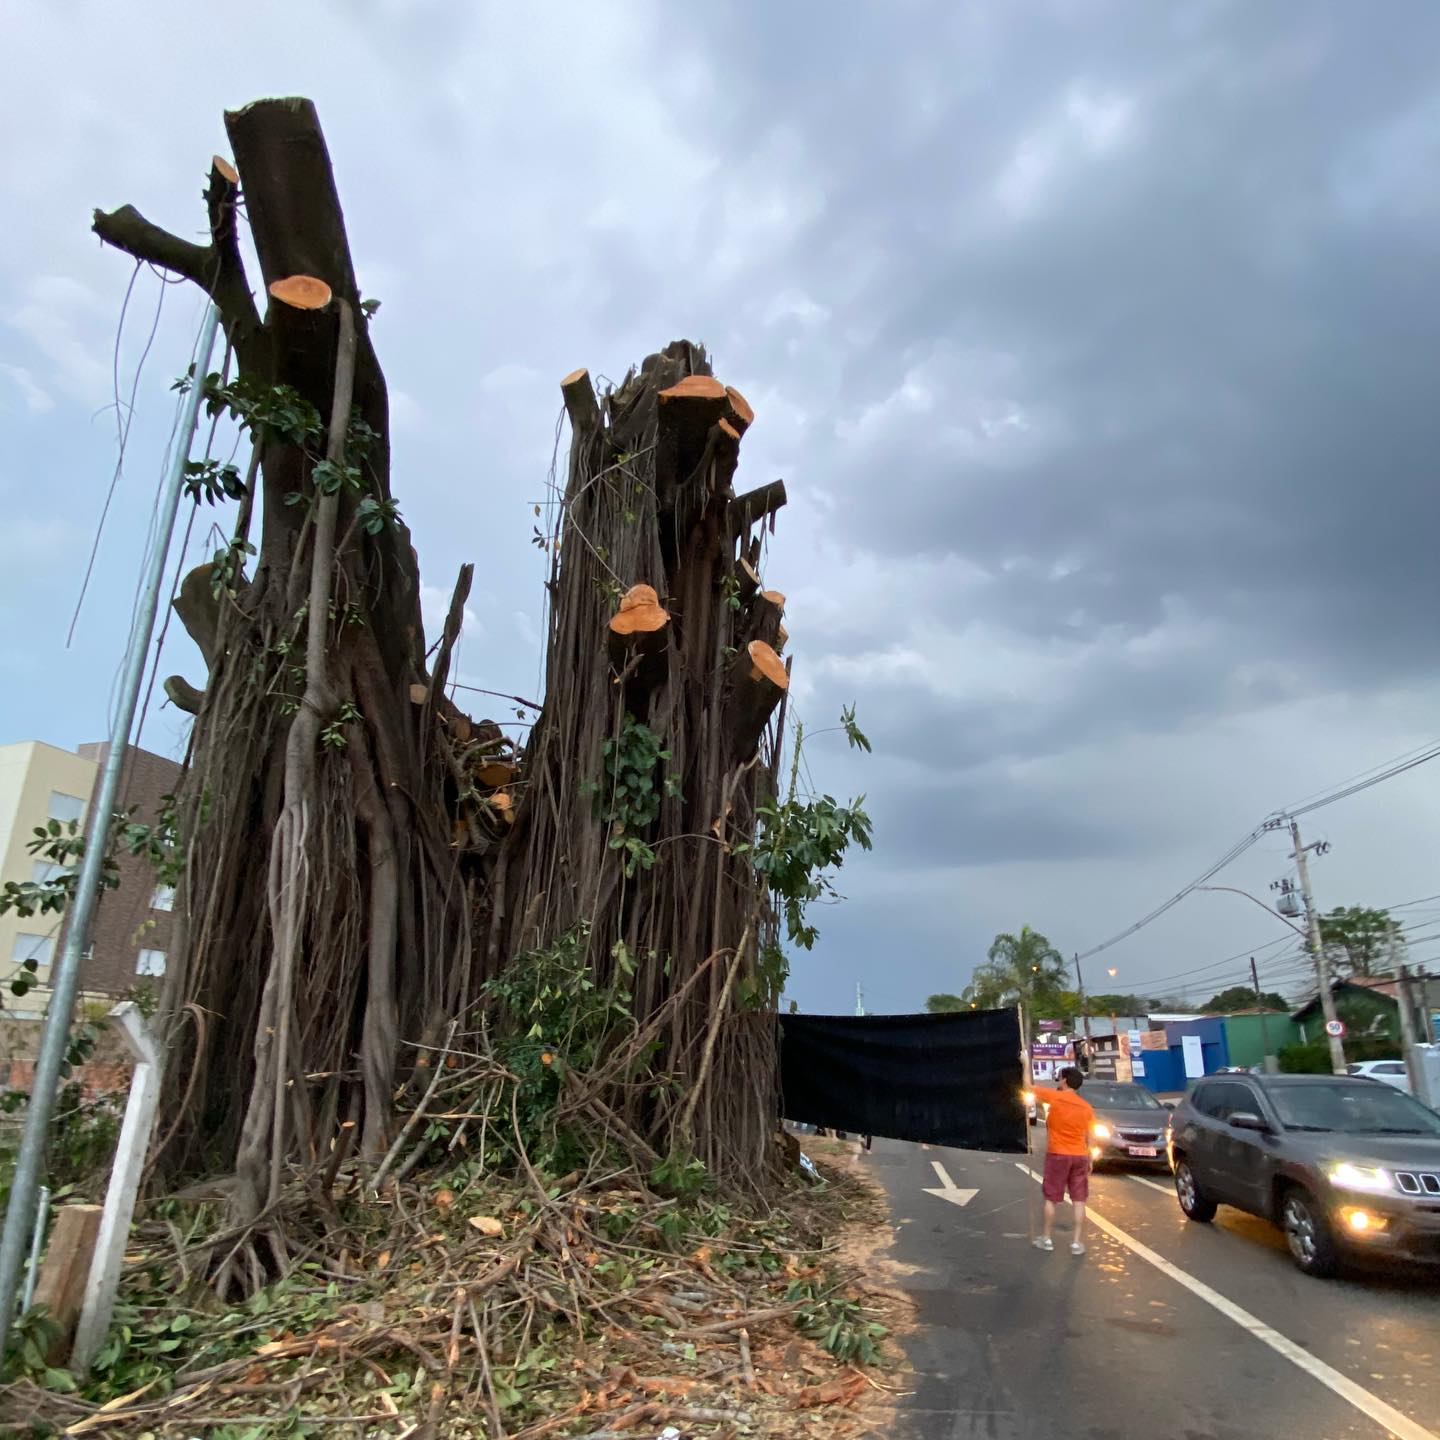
124 416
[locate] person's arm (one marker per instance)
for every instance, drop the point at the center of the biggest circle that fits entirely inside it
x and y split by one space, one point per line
1044 1094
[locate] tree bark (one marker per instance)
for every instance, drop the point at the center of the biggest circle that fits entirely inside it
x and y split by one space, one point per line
327 969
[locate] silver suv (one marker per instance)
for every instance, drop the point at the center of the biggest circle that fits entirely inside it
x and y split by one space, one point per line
1347 1167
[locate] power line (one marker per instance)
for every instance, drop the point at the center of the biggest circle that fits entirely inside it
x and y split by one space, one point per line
1409 761
1293 808
1430 753
1232 854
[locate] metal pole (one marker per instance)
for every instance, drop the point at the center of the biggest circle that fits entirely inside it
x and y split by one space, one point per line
1270 1065
1317 949
37 1248
65 978
1406 997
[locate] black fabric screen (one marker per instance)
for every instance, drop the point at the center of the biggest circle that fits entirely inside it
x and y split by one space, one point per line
941 1079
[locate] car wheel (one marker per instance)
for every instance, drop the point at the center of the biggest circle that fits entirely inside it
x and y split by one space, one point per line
1193 1200
1307 1233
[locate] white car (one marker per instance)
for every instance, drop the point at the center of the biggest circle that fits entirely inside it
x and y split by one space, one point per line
1388 1072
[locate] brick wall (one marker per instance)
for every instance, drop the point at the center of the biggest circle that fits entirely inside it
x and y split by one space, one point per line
96 1079
126 920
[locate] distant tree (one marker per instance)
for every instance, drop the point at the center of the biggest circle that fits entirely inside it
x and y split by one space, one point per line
945 1004
1018 969
1120 1005
1055 1005
1359 940
1242 997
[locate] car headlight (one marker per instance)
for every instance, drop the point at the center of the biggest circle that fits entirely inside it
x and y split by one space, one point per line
1100 1130
1360 1177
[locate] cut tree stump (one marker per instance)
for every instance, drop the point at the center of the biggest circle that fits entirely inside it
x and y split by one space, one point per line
765 617
738 411
495 773
748 578
758 679
302 292
65 1270
580 402
638 628
687 411
752 507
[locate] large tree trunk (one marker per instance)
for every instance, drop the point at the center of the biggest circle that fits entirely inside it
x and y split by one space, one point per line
360 856
653 623
362 934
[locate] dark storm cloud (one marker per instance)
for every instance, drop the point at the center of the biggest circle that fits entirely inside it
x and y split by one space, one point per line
1095 341
1152 323
975 821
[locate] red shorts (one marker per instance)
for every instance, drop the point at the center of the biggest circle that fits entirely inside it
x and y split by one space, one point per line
1067 1173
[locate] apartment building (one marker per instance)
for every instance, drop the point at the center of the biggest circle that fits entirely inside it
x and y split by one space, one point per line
130 933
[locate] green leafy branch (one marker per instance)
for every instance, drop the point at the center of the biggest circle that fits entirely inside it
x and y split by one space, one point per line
62 844
801 842
211 481
333 734
628 798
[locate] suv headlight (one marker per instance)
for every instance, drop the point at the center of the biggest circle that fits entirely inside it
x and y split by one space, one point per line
1360 1177
1100 1130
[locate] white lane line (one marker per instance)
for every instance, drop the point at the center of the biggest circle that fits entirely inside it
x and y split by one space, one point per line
1400 1426
1153 1184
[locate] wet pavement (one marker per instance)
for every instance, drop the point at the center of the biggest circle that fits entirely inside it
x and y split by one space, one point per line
1165 1328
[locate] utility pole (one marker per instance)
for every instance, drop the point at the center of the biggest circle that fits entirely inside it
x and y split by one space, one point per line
859 999
1085 1049
1317 949
1084 1004
1272 1063
65 977
1406 996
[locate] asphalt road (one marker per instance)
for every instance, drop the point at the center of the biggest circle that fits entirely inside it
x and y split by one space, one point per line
1165 1328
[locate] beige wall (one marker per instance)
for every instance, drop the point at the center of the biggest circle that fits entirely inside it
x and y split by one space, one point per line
29 772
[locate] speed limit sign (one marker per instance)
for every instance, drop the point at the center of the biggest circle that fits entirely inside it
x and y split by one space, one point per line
1335 1028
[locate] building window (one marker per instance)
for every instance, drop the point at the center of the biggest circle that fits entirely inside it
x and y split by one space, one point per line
150 962
40 948
44 872
163 898
65 807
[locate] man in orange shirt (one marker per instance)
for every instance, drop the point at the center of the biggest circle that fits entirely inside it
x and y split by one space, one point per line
1067 1154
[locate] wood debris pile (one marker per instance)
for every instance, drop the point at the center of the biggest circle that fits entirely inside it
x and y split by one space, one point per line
584 1306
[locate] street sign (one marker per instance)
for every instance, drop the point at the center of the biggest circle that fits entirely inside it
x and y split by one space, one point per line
1048 1024
1335 1028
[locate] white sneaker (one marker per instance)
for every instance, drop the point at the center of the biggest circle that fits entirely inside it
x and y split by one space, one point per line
1044 1242
1077 1248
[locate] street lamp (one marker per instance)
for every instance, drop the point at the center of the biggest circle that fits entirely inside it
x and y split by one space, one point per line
1303 934
1254 973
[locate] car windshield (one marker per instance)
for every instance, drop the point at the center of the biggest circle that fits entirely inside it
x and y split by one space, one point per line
1120 1097
1363 1108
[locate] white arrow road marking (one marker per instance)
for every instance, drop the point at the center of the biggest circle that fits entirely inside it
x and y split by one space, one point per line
948 1189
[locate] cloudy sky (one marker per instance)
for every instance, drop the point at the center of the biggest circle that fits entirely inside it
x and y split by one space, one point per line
1096 343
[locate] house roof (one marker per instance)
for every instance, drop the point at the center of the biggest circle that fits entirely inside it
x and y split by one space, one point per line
1382 986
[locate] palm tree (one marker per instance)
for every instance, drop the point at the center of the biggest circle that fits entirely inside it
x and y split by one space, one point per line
1016 970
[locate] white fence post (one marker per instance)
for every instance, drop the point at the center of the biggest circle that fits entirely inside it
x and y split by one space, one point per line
129 1166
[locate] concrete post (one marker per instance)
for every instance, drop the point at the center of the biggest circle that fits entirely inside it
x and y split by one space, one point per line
119 1210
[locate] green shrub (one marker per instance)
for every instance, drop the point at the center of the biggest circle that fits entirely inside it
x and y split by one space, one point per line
1313 1057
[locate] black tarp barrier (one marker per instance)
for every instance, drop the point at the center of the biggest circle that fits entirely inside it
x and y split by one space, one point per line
949 1079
